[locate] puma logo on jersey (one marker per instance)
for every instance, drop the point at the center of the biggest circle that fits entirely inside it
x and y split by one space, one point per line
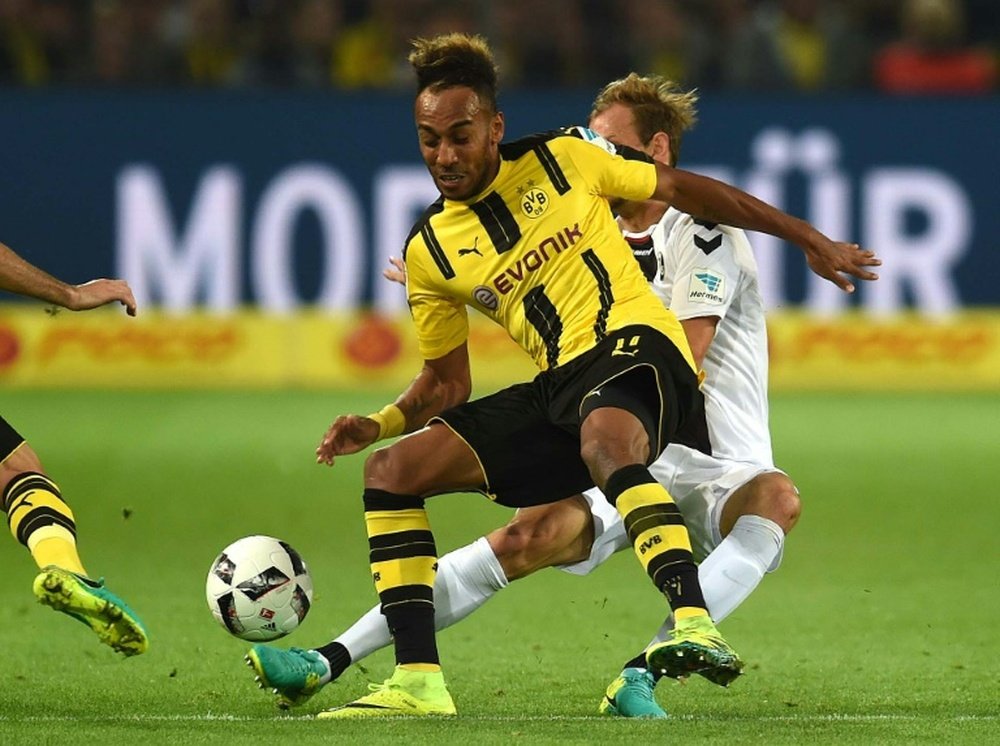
626 347
474 249
21 502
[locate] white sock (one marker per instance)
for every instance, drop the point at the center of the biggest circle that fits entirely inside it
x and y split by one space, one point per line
735 567
466 579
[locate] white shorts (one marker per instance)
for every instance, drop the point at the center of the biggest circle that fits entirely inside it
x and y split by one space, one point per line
699 484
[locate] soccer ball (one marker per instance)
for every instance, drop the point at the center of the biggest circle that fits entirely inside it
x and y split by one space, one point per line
259 588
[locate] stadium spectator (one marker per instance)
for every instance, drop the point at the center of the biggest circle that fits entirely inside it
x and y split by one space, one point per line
368 53
38 516
541 45
23 56
209 45
932 54
664 38
315 28
796 45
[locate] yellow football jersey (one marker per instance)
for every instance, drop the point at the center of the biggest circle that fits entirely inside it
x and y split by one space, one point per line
538 251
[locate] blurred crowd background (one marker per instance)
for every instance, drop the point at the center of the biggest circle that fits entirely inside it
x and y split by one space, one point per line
897 46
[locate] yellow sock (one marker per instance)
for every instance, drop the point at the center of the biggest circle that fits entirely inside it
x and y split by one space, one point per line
42 521
421 667
54 545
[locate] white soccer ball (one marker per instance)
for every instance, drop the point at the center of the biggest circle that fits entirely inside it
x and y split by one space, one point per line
259 588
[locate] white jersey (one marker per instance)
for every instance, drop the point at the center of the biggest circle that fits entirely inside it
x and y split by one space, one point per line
703 269
700 269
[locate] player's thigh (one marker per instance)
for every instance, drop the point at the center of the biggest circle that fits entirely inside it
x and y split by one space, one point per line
525 459
16 456
638 370
608 535
770 494
544 535
430 461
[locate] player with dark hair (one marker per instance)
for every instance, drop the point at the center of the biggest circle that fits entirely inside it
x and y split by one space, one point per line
617 382
37 515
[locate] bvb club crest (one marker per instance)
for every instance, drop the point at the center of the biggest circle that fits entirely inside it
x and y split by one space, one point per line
534 201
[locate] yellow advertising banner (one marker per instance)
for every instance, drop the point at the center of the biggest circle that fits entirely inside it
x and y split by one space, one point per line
313 349
907 353
105 348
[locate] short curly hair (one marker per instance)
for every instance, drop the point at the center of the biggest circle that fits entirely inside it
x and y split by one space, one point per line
453 60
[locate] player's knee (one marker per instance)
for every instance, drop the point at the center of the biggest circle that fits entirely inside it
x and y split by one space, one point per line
526 545
606 455
22 460
781 502
383 468
511 545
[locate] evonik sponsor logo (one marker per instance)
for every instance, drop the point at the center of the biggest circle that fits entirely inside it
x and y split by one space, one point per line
534 259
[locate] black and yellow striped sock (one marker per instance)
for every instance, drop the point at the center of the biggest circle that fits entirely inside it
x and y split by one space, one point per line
39 519
660 539
403 558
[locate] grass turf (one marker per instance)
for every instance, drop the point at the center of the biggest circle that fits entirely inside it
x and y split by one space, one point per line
879 627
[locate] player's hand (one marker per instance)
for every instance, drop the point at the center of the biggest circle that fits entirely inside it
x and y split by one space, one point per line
101 292
348 434
834 259
396 273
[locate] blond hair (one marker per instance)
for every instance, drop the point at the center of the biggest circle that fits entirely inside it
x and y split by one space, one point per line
658 105
451 60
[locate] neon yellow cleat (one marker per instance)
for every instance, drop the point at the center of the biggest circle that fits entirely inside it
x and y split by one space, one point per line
88 601
406 694
695 647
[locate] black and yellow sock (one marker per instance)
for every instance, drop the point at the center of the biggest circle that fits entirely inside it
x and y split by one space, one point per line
403 558
39 519
656 529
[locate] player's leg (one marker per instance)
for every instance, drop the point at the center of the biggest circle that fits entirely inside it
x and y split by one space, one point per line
624 419
403 560
493 430
753 521
467 578
41 520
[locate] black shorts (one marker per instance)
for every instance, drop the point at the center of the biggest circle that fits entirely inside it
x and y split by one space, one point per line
10 440
527 436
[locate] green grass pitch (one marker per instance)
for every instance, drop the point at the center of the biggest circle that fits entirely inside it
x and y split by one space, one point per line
881 626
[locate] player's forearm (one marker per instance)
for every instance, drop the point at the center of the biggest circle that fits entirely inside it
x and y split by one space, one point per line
19 276
717 202
428 395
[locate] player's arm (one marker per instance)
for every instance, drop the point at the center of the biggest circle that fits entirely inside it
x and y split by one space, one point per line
441 383
700 331
717 202
20 276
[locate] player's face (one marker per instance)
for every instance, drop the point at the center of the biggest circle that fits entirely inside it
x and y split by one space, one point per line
459 139
617 124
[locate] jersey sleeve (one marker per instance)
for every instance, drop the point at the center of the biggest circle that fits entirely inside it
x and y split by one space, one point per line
708 273
441 322
609 170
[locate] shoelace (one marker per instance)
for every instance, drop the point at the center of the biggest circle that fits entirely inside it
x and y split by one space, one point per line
646 686
302 660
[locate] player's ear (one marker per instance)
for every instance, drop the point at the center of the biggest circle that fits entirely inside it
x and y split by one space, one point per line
659 148
496 128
